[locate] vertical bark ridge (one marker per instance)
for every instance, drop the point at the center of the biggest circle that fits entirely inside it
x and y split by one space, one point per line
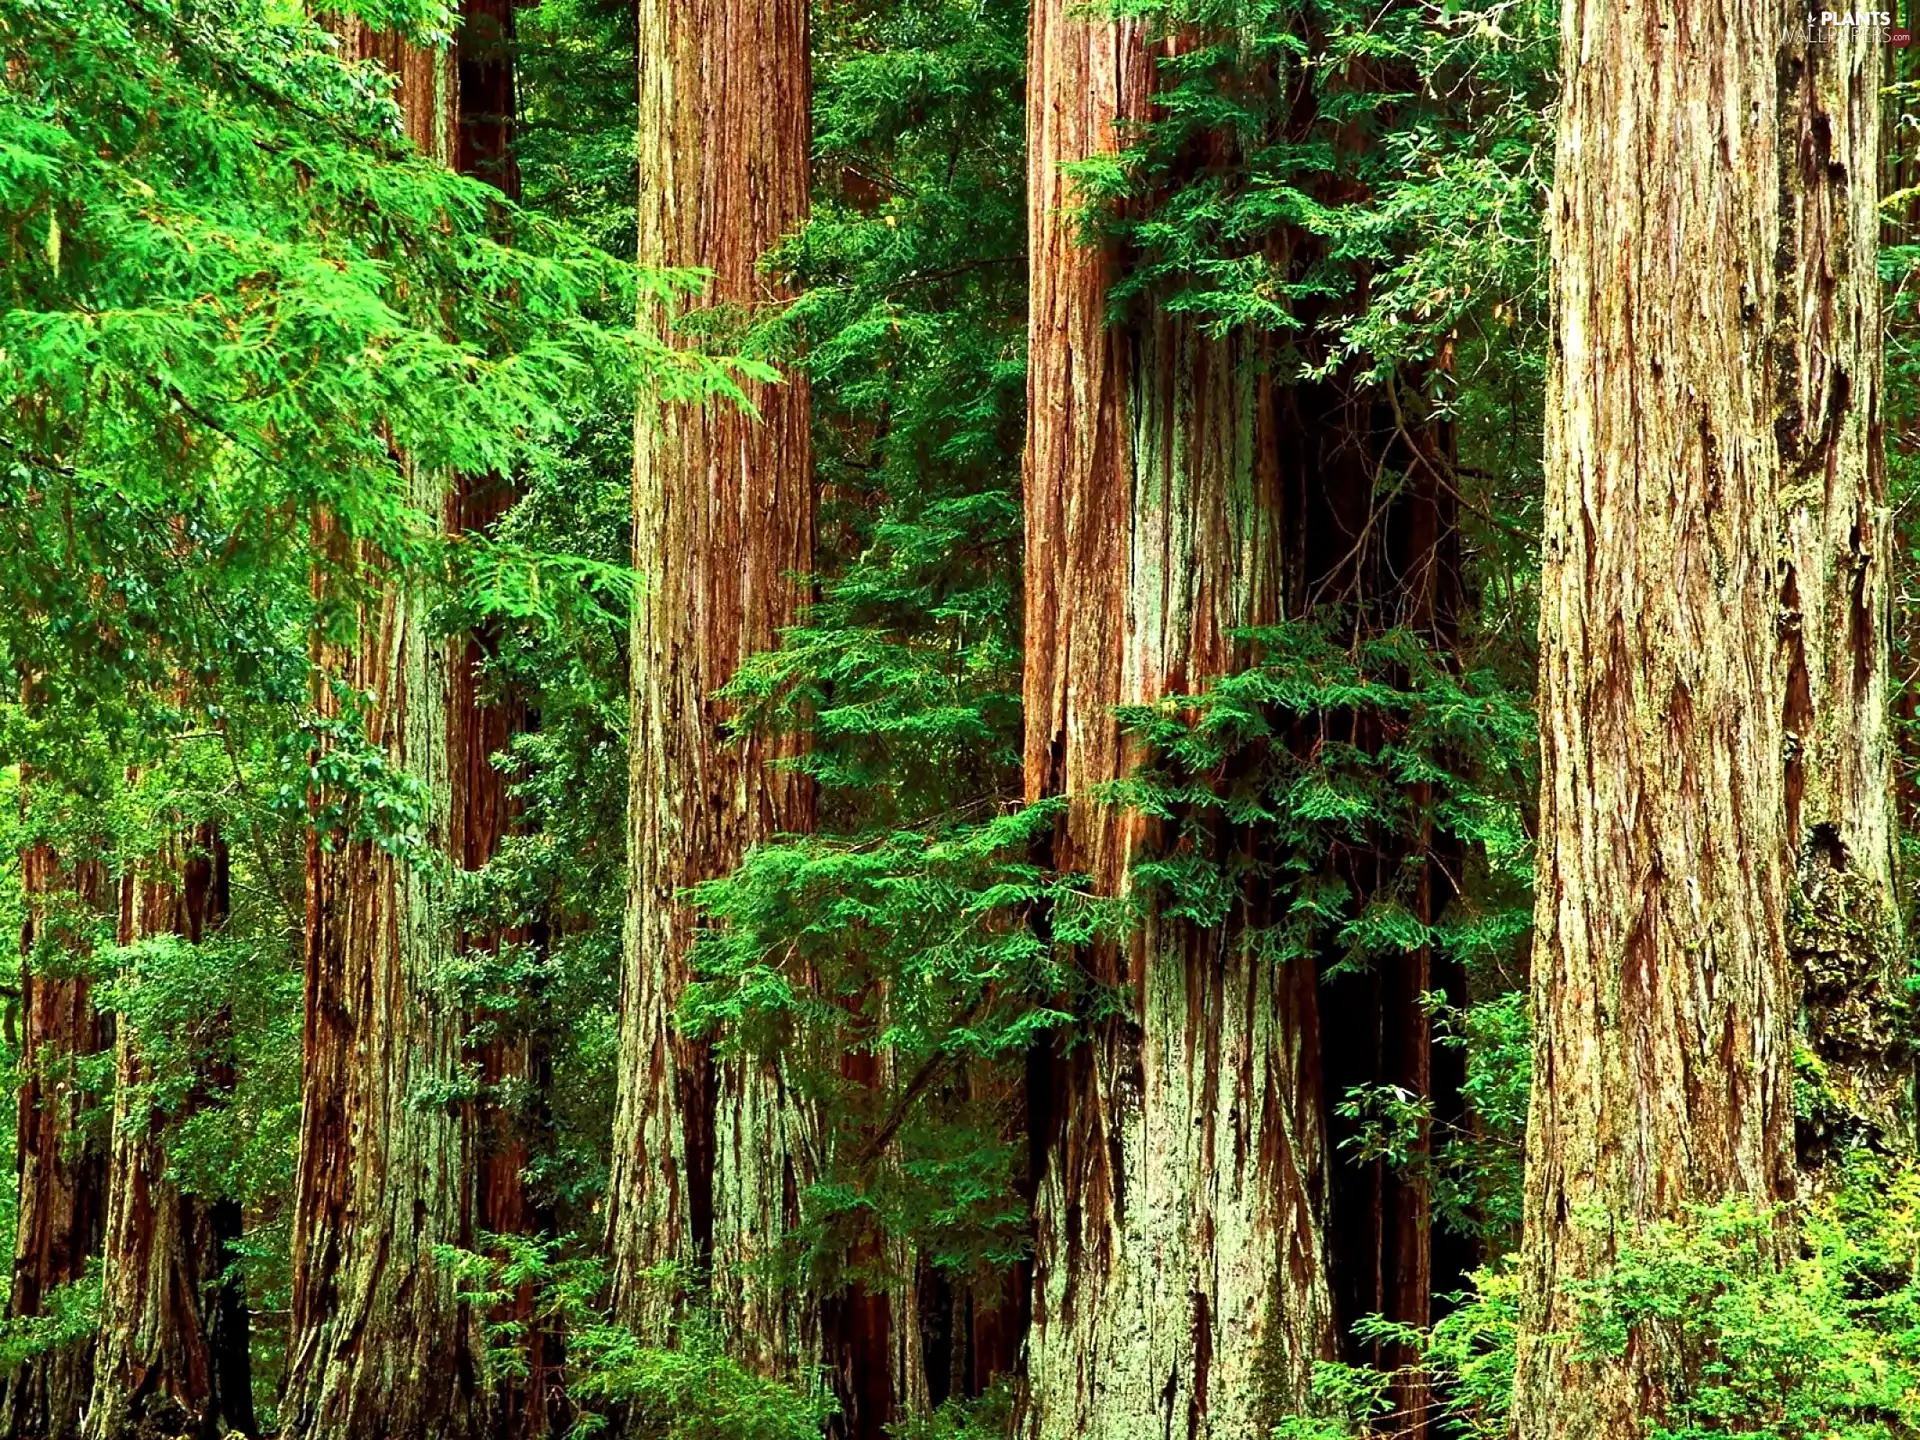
1180 1278
480 726
707 1158
504 1055
172 1357
1845 933
1662 991
382 1341
60 1162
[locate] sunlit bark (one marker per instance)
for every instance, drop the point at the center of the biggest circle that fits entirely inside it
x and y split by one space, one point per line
707 1160
382 1341
1663 991
1180 1270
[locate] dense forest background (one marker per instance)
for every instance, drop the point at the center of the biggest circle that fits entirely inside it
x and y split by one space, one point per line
945 719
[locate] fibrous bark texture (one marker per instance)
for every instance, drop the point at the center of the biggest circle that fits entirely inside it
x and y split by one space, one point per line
382 1342
423 84
172 1358
61 1161
706 1155
1180 1276
1662 990
1844 927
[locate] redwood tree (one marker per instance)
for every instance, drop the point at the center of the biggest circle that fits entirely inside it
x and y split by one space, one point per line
172 1356
60 1160
706 1160
382 1342
481 724
1662 989
1180 1268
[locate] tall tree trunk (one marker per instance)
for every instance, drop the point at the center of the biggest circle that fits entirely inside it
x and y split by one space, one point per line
61 1161
479 728
1180 1273
172 1358
858 1325
382 1342
1844 930
1662 990
486 95
510 1107
706 1161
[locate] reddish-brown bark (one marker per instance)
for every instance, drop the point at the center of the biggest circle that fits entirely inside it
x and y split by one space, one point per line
378 972
382 1341
706 1159
1663 991
1181 1275
61 1160
1174 494
480 726
484 86
173 1355
386 1173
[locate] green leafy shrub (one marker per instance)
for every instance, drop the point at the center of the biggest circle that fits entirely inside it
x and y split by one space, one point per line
687 1389
1754 1347
987 1416
1821 1344
69 1315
